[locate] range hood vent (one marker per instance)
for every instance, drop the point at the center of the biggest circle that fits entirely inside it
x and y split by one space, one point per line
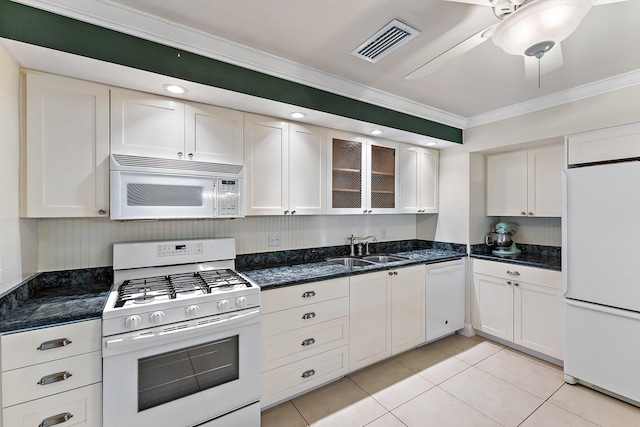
388 39
188 166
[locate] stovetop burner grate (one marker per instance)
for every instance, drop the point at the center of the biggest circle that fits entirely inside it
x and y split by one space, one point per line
141 291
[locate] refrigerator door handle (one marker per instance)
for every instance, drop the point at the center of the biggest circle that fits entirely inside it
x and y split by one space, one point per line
565 236
604 309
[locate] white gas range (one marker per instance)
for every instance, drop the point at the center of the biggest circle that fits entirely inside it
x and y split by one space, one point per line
181 337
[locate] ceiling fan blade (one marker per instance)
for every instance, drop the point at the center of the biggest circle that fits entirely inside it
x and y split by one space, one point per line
549 62
451 54
478 2
598 2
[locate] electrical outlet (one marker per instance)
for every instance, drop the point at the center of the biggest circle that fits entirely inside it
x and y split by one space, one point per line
383 232
274 239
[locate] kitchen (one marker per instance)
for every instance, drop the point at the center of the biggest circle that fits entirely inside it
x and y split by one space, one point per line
63 244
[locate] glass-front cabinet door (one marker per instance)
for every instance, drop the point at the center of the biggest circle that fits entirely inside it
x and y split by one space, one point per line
362 174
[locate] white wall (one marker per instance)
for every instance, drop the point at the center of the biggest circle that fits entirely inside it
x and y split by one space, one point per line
18 238
72 243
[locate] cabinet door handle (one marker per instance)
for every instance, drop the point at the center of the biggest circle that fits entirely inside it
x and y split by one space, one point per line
54 378
508 282
180 154
308 341
191 155
102 211
56 419
391 273
308 316
523 213
293 212
309 373
364 211
48 345
516 284
513 273
530 213
309 294
286 212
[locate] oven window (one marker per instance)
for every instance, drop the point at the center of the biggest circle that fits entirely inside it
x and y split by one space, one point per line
170 376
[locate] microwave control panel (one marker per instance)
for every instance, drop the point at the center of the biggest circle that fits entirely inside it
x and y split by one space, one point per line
228 203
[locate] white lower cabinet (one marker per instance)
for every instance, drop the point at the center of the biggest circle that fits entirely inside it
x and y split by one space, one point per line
387 313
305 337
52 376
522 305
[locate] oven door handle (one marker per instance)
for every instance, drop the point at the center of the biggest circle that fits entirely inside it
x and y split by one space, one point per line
162 336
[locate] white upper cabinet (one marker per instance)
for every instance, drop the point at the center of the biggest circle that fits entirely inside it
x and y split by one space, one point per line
525 183
363 174
66 148
307 169
418 179
285 166
615 143
149 125
213 134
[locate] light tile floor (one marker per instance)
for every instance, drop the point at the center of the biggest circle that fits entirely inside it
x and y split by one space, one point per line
456 381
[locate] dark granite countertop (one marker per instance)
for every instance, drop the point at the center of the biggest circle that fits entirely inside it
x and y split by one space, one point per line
52 298
548 257
295 274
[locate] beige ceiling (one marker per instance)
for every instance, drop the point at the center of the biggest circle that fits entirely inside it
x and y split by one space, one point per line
311 40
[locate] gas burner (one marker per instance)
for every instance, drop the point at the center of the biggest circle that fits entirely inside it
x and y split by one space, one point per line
178 286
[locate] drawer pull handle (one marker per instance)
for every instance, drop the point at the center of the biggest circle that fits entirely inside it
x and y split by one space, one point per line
309 294
54 378
513 273
308 316
308 341
56 419
309 373
48 345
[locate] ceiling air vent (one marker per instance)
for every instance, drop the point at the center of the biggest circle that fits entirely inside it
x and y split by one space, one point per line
385 41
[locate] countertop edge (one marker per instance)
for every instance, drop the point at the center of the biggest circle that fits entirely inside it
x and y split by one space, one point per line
525 263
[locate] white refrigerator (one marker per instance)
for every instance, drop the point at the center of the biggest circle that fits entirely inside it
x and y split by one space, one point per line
601 266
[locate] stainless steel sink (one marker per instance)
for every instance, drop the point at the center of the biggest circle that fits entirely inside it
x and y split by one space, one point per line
350 262
383 259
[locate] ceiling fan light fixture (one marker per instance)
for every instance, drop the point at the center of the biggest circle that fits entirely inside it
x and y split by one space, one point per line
539 23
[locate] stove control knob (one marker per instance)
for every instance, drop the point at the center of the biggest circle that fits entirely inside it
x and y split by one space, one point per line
241 302
223 305
192 310
133 321
157 317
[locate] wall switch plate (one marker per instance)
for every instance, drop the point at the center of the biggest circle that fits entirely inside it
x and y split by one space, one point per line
274 239
383 232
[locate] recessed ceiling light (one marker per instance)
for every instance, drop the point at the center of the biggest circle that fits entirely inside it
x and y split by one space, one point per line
174 89
431 144
376 132
298 115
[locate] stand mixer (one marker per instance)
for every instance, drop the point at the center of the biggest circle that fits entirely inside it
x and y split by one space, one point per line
500 240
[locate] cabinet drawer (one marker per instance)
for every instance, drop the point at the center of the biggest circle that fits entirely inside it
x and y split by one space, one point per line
84 405
288 347
307 293
307 315
539 276
284 382
23 384
24 348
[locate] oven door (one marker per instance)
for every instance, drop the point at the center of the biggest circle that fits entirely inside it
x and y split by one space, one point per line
137 195
182 377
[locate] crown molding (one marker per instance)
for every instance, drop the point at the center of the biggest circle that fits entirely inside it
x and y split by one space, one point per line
610 84
115 17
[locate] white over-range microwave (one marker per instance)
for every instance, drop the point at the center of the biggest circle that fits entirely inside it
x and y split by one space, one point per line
151 188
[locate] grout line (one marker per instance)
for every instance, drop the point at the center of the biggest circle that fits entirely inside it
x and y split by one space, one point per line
298 410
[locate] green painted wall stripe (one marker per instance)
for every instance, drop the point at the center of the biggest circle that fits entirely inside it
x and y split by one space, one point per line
41 28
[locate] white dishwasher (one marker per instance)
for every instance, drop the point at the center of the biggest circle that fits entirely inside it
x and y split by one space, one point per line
444 298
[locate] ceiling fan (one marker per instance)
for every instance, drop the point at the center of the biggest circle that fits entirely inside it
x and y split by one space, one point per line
531 28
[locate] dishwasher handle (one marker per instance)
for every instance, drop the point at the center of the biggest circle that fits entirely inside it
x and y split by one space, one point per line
447 269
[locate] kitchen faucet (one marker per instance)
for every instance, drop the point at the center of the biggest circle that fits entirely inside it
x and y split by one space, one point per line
364 240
